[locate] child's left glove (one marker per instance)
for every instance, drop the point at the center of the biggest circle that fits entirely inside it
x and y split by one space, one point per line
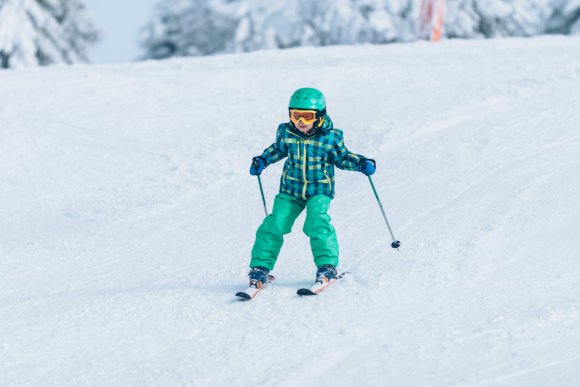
258 165
367 166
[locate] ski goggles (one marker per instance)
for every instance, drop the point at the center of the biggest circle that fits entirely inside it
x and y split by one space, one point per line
306 116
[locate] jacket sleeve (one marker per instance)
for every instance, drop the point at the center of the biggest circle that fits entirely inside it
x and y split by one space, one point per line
343 158
278 150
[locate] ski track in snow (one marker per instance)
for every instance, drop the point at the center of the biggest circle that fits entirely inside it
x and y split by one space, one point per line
128 216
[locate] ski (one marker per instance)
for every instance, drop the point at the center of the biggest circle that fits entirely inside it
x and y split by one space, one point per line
319 287
252 291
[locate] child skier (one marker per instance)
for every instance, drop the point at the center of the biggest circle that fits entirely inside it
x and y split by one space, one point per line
313 147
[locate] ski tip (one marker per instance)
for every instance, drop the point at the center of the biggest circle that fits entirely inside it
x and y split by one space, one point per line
305 292
243 296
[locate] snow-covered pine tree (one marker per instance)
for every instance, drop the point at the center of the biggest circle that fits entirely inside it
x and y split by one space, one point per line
191 27
205 27
43 32
502 18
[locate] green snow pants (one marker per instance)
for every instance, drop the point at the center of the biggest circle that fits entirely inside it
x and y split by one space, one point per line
270 235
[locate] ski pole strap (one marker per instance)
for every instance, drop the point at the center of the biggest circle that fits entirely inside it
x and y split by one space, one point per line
395 243
262 192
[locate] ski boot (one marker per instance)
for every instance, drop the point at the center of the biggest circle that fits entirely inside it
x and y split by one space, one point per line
325 273
258 277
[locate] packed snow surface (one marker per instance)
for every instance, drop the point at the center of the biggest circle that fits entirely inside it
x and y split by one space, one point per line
127 217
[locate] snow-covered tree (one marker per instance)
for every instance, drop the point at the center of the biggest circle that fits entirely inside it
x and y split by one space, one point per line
205 27
496 18
43 32
191 27
202 27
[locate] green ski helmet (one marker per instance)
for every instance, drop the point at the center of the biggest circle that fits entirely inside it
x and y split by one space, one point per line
308 98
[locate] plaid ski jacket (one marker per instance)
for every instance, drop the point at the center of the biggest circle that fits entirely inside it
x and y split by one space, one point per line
309 169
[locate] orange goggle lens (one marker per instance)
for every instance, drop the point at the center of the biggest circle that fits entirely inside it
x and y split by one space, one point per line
306 116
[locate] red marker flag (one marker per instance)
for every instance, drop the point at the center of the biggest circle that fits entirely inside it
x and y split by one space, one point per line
431 19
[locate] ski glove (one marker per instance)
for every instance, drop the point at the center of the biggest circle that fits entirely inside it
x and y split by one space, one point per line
258 165
367 166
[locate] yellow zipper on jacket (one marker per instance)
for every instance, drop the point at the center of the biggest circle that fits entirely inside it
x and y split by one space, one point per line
304 159
329 181
284 175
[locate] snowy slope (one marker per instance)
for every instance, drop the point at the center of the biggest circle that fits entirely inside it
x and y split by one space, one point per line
127 216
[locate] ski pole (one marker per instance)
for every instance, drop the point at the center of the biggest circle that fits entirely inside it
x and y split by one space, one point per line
396 244
262 192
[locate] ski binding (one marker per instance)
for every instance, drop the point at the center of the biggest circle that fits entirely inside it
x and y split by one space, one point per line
319 287
252 291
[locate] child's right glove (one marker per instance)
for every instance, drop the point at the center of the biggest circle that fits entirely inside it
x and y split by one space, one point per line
258 165
367 166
